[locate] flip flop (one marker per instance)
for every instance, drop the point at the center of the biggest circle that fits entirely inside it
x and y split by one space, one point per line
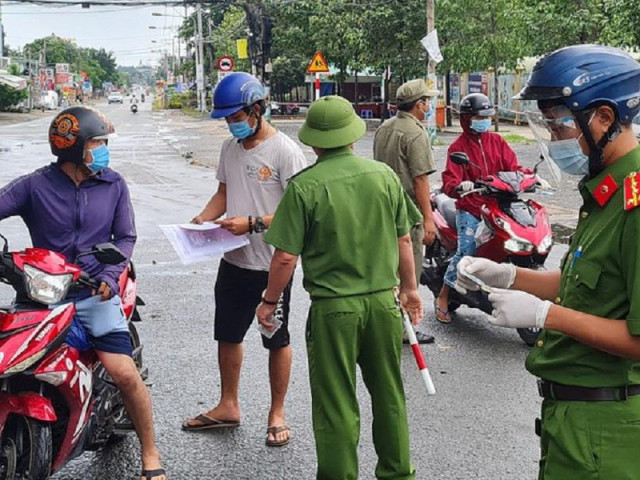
207 422
446 315
274 431
151 474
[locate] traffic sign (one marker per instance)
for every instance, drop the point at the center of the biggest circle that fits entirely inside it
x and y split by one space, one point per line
318 64
225 63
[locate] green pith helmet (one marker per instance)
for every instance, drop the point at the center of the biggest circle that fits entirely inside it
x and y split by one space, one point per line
331 123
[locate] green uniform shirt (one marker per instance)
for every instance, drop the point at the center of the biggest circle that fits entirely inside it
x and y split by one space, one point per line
403 144
344 215
600 276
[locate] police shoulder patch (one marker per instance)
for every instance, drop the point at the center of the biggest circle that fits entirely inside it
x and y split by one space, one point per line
632 191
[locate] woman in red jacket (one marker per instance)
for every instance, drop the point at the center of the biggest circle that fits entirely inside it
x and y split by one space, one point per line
489 154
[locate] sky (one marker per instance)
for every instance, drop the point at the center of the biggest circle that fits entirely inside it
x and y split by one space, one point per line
123 30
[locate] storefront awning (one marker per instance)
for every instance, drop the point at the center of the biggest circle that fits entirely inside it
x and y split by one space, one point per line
13 81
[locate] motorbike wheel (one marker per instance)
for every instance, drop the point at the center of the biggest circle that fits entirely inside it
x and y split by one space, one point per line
453 306
26 450
529 335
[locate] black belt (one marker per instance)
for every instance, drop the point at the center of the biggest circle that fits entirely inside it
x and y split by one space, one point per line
557 391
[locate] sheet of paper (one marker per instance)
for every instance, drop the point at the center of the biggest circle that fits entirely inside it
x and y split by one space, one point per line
194 243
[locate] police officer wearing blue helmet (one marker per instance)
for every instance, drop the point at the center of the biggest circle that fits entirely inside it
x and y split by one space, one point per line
587 357
256 163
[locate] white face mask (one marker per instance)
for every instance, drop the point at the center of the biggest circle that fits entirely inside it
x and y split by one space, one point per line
569 156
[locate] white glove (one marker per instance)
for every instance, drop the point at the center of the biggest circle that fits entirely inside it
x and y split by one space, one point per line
517 309
542 183
466 186
495 275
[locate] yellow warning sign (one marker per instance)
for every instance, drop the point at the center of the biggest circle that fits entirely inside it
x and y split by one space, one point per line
318 64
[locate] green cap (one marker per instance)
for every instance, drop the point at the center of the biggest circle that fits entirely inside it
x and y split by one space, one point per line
413 90
331 123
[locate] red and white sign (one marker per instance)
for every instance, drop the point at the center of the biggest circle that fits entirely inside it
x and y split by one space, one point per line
226 63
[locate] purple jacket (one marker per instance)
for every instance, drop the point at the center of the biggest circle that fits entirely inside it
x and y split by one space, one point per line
71 219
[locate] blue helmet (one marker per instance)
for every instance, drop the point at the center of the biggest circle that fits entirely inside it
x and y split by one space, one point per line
584 76
235 92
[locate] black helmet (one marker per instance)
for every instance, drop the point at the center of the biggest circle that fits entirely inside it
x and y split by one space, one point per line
477 104
71 129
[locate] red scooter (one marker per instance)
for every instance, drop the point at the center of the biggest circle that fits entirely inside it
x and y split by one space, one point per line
510 230
55 401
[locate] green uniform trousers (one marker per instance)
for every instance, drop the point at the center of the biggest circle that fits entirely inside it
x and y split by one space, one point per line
590 440
341 332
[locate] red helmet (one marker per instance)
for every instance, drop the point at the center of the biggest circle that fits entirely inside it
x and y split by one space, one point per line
72 127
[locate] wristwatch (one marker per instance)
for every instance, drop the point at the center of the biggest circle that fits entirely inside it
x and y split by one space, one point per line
259 225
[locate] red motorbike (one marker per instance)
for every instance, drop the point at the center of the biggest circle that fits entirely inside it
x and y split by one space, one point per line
510 230
55 401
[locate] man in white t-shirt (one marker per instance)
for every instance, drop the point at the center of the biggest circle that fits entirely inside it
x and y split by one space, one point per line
255 165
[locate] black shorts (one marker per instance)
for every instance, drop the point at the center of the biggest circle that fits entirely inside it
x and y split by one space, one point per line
238 292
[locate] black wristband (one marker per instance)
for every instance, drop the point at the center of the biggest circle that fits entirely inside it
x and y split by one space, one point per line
264 300
250 224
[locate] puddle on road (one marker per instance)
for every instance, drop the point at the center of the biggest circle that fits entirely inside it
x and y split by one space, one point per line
16 146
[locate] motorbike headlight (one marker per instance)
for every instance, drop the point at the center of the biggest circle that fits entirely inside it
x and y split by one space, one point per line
545 244
23 365
518 245
46 288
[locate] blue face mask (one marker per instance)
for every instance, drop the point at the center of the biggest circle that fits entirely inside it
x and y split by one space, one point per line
569 157
241 130
101 157
481 126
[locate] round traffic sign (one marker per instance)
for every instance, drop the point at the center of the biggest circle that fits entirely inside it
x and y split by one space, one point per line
225 63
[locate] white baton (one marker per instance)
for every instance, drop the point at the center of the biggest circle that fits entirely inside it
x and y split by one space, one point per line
417 353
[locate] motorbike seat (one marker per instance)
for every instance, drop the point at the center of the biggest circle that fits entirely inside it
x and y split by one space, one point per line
447 208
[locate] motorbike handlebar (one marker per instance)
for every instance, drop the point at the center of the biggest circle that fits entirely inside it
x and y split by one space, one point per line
475 190
86 281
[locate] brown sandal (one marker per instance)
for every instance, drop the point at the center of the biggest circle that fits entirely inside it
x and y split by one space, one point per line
207 422
274 431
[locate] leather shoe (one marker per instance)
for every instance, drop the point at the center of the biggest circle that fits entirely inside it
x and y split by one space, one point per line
422 338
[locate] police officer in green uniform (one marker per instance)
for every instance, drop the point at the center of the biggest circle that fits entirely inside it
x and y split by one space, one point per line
403 144
587 357
349 220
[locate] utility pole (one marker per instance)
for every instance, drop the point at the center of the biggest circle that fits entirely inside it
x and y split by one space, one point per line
202 102
431 23
1 35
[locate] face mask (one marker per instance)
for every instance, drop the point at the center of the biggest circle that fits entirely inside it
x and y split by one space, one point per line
481 126
241 130
569 156
429 113
101 157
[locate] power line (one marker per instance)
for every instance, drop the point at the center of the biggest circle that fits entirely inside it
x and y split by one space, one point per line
117 3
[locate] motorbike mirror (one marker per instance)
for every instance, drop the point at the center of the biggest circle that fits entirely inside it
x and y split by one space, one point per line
108 254
535 167
459 158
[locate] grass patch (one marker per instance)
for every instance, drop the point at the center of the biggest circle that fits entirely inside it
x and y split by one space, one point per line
515 138
192 112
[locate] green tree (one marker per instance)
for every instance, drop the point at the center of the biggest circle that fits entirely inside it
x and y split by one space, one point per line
99 65
9 97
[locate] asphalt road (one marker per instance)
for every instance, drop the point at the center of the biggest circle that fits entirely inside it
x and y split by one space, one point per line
478 426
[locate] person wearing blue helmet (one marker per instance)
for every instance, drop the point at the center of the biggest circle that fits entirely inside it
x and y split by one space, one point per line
255 166
587 357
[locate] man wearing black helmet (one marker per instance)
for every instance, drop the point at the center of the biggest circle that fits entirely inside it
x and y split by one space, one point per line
68 207
587 357
488 154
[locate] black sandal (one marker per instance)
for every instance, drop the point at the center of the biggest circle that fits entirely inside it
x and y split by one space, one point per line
151 474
